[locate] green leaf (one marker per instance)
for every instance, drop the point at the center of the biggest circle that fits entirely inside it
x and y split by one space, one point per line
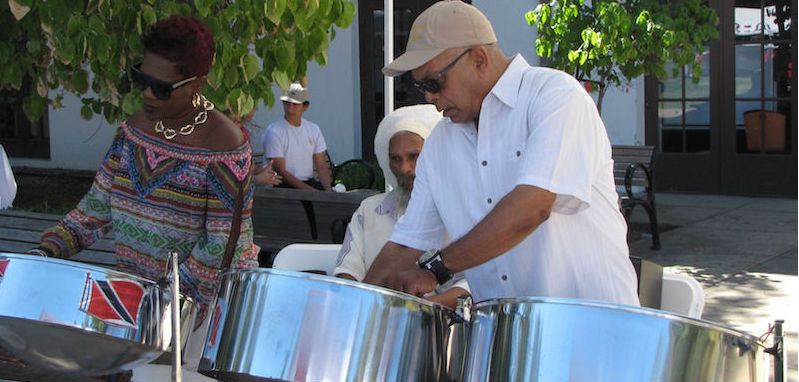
149 16
131 103
14 75
270 98
86 112
75 25
101 48
250 66
282 79
321 58
5 52
573 55
232 78
80 81
318 41
347 14
239 103
324 9
66 51
285 54
34 107
274 10
204 7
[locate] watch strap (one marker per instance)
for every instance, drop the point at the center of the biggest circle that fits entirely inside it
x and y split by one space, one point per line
436 265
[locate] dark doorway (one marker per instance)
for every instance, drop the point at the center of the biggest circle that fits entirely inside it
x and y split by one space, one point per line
20 137
735 131
370 22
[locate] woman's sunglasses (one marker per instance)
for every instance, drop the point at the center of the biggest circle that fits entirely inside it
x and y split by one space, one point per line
431 84
162 90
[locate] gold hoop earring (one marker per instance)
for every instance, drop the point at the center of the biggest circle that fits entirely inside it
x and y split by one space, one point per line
196 100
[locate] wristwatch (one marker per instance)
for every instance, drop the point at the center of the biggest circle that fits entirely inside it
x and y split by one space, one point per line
431 260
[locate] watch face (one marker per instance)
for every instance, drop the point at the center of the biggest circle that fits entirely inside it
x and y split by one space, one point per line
429 254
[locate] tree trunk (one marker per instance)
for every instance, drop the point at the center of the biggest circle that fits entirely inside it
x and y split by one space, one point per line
602 89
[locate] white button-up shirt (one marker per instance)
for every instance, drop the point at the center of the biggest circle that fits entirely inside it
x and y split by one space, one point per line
538 127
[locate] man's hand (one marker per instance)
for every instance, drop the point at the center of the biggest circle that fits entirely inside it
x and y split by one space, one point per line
268 176
392 259
415 281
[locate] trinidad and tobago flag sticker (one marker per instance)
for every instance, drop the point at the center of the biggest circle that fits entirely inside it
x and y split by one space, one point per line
3 265
215 329
115 301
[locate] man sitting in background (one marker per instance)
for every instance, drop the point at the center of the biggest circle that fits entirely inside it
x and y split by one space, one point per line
296 145
398 142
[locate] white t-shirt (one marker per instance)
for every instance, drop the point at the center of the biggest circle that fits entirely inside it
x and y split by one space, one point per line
296 144
368 231
538 127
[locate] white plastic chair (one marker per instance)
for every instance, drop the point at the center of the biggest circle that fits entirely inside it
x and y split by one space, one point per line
307 257
682 294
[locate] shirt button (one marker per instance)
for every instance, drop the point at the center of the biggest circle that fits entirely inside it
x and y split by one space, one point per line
489 200
518 153
485 163
504 277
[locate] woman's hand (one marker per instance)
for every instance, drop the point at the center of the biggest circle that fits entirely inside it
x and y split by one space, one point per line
267 176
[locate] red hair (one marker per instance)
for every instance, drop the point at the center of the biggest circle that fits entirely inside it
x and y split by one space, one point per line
184 41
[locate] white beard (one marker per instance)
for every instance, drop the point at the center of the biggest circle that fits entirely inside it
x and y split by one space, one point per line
401 200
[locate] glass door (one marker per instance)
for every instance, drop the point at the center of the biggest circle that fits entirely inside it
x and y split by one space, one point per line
760 126
735 131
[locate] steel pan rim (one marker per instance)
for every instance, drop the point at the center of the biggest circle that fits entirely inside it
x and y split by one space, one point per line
74 264
335 280
615 306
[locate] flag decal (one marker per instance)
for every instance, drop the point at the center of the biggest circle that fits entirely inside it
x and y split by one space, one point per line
115 301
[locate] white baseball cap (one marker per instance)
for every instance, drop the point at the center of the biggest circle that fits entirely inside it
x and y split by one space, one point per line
445 24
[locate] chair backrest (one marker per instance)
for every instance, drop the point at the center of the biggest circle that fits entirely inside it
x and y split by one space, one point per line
315 258
682 294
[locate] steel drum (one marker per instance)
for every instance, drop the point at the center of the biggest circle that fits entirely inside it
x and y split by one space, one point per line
269 324
70 318
548 339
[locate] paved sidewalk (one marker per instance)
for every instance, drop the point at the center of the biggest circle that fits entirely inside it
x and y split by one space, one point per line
743 251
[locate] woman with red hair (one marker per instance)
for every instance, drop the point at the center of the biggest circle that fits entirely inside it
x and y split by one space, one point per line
177 176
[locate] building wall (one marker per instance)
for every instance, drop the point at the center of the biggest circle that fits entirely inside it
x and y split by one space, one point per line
335 99
75 143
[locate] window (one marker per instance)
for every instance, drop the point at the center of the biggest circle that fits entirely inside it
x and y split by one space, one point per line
20 137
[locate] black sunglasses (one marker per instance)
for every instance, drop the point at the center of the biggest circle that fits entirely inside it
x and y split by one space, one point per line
431 84
162 90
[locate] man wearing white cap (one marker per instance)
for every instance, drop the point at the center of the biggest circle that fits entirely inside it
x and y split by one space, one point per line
296 145
519 174
398 142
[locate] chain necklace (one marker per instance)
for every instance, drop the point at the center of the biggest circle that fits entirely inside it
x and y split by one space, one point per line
199 119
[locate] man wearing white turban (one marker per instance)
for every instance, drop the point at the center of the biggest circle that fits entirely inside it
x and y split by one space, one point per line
398 142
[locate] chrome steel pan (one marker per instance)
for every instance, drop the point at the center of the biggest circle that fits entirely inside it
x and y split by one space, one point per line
66 317
280 325
538 339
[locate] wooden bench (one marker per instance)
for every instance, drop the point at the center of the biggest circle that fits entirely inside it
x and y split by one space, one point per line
633 172
277 221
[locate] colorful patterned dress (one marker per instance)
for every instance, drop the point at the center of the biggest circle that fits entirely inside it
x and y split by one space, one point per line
160 197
